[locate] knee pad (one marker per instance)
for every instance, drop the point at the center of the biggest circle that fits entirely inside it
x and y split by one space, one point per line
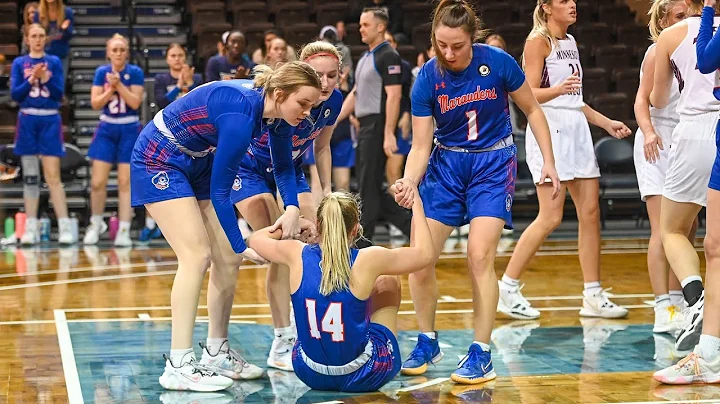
31 176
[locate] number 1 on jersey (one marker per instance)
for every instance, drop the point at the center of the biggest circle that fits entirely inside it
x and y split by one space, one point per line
331 322
472 125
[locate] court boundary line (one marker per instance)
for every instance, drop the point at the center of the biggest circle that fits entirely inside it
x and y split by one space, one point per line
67 357
423 385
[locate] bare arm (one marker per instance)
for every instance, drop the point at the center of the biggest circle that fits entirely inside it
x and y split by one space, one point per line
422 145
536 50
100 97
642 99
348 106
270 246
323 158
133 96
662 83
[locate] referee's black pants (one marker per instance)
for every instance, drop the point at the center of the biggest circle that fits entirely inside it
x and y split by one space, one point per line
370 162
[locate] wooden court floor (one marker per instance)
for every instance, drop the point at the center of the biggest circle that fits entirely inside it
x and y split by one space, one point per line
90 325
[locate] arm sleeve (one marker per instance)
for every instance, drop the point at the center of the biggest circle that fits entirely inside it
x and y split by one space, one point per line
231 148
422 97
708 47
68 33
281 148
512 73
389 65
56 84
19 86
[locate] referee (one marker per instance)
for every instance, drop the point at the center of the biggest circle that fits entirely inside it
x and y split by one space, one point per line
376 102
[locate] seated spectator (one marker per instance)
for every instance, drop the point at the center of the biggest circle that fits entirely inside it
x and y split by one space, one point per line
277 52
28 16
179 80
234 64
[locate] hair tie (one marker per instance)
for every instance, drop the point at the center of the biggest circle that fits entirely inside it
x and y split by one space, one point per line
320 54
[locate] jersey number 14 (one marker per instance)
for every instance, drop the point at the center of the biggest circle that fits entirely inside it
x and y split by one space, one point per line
331 322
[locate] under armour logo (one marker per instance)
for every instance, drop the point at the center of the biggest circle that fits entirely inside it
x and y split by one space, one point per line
439 86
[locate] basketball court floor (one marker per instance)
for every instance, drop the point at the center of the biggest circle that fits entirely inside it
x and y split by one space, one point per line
90 325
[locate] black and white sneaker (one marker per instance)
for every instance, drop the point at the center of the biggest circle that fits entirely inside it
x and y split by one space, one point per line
692 326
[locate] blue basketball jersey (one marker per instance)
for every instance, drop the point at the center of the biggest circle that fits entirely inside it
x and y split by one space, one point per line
333 329
40 96
470 107
131 75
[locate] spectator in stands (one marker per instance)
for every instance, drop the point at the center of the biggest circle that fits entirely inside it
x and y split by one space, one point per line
57 19
499 42
37 84
277 52
258 57
117 90
422 58
234 64
221 44
376 103
179 80
28 16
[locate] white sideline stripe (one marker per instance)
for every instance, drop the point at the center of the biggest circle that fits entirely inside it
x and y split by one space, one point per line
84 269
144 316
72 379
264 305
84 280
423 385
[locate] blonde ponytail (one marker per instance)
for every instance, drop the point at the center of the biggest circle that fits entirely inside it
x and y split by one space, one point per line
288 77
540 24
658 12
338 215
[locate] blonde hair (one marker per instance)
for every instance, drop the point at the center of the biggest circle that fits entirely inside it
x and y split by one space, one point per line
44 13
28 20
120 37
287 77
455 14
338 215
320 48
27 28
658 12
540 23
695 7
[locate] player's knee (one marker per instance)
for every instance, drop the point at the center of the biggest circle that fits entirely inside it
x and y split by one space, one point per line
712 245
551 221
198 259
481 260
387 288
31 176
589 212
123 184
98 184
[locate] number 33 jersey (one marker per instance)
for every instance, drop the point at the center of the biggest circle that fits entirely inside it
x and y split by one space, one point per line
470 107
563 62
131 75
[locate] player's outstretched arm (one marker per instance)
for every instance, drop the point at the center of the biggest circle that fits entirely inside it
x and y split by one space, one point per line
708 47
270 246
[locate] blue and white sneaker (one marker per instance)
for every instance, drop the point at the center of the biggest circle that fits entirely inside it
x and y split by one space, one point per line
476 367
426 351
147 234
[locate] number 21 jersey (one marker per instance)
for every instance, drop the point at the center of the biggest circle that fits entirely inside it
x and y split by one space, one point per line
563 62
131 75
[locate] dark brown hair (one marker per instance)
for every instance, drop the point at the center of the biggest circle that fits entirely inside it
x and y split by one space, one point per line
455 14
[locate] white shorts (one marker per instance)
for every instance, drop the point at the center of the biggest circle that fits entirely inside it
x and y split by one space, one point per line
691 159
571 142
651 176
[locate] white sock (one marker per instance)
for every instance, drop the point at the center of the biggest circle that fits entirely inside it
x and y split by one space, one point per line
509 283
179 357
485 347
214 345
689 279
662 302
124 226
31 223
677 298
592 287
96 219
284 332
431 334
709 347
150 223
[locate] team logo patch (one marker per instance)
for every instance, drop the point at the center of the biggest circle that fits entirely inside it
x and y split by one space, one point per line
126 76
161 181
389 346
394 69
237 184
508 202
484 70
327 113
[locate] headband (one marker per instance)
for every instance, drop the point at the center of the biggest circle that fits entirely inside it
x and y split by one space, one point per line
320 54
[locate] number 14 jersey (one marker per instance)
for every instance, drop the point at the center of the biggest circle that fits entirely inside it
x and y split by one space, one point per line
563 62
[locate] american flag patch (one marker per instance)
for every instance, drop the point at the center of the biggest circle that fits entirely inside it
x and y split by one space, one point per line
394 69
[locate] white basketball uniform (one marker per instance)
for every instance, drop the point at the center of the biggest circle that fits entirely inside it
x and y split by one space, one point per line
692 153
571 139
651 176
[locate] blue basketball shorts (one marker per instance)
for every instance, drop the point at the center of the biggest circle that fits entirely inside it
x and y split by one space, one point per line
113 143
343 154
404 145
39 134
256 177
715 175
459 186
308 158
159 171
383 365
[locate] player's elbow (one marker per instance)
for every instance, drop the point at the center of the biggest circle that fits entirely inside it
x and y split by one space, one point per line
704 67
658 100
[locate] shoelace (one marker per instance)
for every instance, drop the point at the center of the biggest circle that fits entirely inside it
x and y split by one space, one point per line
520 296
684 361
197 367
606 298
235 356
422 351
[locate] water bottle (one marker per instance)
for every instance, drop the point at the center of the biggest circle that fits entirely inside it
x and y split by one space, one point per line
74 226
45 229
20 218
114 224
9 227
